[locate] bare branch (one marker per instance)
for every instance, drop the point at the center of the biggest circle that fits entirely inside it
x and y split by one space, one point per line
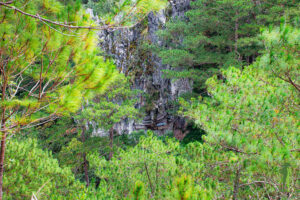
236 149
17 89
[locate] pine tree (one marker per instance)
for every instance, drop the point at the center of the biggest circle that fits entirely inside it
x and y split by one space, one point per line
30 170
114 104
254 114
156 168
49 60
109 108
45 68
217 34
138 191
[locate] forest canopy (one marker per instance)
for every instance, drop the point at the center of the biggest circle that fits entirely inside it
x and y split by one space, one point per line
77 86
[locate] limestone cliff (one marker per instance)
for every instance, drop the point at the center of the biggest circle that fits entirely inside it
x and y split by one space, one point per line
145 70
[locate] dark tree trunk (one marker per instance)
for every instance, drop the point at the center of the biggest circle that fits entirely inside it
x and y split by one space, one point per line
236 184
236 37
2 153
111 140
3 132
85 162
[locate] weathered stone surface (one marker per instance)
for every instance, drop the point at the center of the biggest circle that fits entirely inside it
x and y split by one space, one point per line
146 71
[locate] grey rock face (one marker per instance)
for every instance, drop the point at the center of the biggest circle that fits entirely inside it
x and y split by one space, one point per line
145 68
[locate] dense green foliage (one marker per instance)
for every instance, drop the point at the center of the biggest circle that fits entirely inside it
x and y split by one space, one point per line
53 135
156 164
110 107
255 113
47 68
56 89
251 118
105 111
41 176
217 34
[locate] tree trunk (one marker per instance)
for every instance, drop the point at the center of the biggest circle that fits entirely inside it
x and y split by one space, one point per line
111 139
236 37
85 163
87 180
149 179
2 153
3 132
236 184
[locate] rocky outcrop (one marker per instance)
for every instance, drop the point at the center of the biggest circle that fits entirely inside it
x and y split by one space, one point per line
125 47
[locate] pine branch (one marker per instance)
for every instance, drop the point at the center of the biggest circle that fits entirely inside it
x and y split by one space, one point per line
37 16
